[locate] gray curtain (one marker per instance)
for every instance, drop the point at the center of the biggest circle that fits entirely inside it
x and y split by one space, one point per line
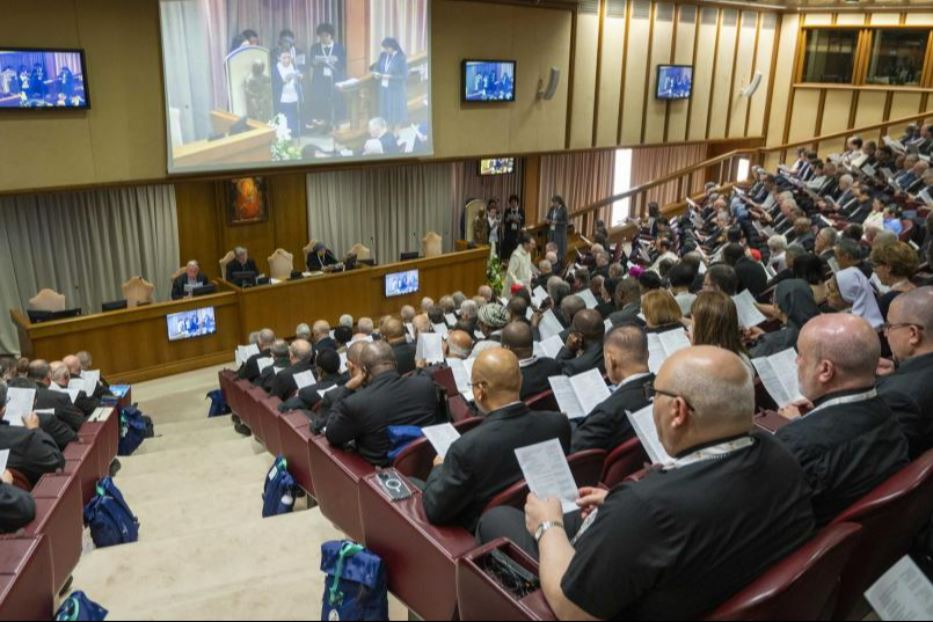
85 245
388 210
185 47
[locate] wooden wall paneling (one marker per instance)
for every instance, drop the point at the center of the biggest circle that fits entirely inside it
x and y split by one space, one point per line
919 19
679 111
636 72
661 52
720 104
584 78
806 105
760 105
571 76
885 19
903 105
624 77
289 214
257 238
600 45
870 108
746 56
606 128
850 19
819 19
835 118
199 225
703 74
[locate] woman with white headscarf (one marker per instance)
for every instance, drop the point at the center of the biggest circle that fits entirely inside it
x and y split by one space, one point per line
854 290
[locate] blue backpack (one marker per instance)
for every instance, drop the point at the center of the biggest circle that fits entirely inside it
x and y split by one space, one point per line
355 586
401 436
109 517
133 430
219 405
278 494
78 607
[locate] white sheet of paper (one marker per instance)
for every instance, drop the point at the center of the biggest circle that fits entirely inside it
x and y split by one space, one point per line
538 296
277 370
410 328
902 593
323 392
548 474
588 299
778 373
566 397
4 457
441 437
749 315
663 345
430 348
343 362
590 388
440 329
72 391
451 320
101 414
305 379
529 313
643 424
552 346
549 325
609 325
19 404
264 362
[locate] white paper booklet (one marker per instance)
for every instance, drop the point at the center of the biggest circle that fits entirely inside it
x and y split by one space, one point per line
549 325
441 437
902 593
643 424
778 373
748 313
548 474
579 395
663 345
430 348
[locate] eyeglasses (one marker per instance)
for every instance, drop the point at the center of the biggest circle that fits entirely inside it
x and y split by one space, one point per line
652 391
889 327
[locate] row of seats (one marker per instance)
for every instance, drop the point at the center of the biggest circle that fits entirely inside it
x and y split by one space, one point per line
439 572
36 562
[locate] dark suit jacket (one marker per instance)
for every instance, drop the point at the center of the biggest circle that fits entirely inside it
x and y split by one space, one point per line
627 315
752 276
250 369
309 397
17 508
236 266
284 385
591 357
178 285
266 379
482 463
607 426
535 375
405 357
66 411
62 428
327 343
909 393
364 416
315 264
32 452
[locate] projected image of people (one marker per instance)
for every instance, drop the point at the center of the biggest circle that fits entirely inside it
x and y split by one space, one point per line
490 81
38 79
267 84
675 82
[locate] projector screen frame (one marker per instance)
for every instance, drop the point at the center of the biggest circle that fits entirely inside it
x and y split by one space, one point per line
59 109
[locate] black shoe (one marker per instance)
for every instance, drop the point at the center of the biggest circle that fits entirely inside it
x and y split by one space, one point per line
115 467
235 420
299 493
67 586
242 429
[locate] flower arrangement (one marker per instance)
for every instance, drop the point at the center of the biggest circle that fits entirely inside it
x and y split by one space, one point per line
495 274
283 148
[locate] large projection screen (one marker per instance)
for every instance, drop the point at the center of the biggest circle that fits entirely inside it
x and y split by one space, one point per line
266 84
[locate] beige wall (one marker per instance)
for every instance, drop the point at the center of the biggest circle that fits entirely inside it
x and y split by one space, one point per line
122 138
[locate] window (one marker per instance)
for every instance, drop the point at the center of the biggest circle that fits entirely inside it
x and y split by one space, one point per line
621 181
830 55
897 57
745 166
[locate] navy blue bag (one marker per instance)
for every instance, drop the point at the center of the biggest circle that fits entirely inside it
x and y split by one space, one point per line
109 517
219 405
133 430
278 494
401 436
355 587
79 608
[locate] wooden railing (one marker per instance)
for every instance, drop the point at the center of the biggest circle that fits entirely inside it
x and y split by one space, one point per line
721 170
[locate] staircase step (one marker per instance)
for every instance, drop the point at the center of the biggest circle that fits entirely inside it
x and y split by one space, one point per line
173 460
194 425
144 576
198 438
159 484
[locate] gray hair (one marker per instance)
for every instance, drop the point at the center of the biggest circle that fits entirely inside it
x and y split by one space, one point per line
884 237
365 325
301 350
239 250
456 351
303 331
469 309
254 337
544 265
266 336
346 320
193 264
280 348
458 297
777 243
829 234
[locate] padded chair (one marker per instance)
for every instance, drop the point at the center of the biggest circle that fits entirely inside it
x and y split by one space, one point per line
420 558
543 402
178 273
269 410
459 409
224 262
907 231
294 434
362 252
432 245
281 265
624 460
47 300
891 516
138 291
26 591
417 459
79 461
336 476
58 518
444 378
802 586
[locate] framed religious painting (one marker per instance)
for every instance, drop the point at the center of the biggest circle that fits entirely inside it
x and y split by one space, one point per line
247 200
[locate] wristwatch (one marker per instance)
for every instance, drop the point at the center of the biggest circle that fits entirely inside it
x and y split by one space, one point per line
544 527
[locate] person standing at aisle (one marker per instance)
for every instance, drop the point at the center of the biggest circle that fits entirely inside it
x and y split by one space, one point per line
558 217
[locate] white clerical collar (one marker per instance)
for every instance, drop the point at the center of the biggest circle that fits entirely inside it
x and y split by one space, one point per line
714 452
629 380
528 361
864 396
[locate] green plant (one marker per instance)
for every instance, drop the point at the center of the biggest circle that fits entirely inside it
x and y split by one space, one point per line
495 274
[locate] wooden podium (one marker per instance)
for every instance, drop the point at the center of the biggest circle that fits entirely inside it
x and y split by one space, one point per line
254 145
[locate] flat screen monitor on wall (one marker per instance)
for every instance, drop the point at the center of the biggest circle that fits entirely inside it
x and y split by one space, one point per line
675 81
294 82
488 81
497 166
45 79
402 283
191 324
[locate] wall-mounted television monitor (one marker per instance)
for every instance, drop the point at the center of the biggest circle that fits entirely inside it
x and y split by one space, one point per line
291 83
401 283
46 79
191 324
488 81
675 81
497 166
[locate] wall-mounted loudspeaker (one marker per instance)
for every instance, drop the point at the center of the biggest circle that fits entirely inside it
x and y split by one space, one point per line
753 86
547 93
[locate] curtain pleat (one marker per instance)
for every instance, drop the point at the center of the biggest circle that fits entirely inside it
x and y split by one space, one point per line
651 163
85 245
580 178
467 185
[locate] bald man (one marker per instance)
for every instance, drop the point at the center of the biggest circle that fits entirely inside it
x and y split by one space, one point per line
909 390
482 463
320 337
250 369
76 368
65 420
301 359
625 353
850 442
393 331
188 281
378 397
518 338
61 378
280 360
687 536
458 345
583 349
329 378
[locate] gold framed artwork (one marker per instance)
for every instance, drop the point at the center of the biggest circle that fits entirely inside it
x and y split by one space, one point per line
247 200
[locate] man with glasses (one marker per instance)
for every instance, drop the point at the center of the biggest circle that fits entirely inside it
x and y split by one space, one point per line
850 441
691 533
908 389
